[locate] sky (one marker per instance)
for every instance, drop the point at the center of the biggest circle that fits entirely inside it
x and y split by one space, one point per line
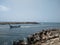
30 10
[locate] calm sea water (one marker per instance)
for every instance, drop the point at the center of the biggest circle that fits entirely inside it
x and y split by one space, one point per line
8 35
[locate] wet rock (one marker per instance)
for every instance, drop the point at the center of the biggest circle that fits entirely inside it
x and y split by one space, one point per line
45 37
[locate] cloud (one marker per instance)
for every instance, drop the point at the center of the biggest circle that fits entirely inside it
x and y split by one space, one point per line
3 8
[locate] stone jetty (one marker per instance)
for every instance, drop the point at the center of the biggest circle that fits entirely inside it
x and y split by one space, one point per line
44 37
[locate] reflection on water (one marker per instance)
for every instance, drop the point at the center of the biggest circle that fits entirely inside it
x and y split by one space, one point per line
5 43
7 35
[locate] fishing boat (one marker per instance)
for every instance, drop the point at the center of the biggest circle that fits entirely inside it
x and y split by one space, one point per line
14 26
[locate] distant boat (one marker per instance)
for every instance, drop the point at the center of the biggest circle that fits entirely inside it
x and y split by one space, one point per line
15 26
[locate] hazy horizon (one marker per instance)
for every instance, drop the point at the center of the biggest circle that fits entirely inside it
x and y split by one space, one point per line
29 10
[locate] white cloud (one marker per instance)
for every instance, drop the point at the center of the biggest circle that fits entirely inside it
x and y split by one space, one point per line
3 8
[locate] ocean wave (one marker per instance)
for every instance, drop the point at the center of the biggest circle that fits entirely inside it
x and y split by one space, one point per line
25 26
28 26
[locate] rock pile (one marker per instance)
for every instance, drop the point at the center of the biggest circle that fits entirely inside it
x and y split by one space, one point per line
45 37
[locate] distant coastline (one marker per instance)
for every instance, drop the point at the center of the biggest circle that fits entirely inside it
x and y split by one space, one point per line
19 23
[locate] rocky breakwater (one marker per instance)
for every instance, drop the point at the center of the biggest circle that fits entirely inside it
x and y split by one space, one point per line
44 37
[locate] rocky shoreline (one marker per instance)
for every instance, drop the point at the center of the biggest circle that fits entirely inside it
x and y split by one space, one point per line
44 37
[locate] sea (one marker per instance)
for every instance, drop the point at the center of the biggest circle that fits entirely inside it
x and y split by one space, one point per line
8 35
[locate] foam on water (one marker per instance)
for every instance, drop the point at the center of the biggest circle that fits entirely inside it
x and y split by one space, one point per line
25 26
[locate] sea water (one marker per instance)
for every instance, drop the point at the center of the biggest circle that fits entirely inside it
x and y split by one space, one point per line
8 35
